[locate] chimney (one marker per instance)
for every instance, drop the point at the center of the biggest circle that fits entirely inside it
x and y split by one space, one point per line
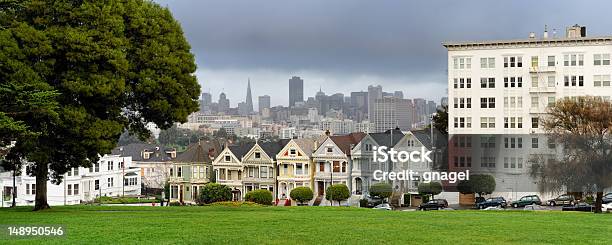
545 31
327 133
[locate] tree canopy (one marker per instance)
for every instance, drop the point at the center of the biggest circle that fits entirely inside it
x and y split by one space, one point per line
381 190
105 66
337 192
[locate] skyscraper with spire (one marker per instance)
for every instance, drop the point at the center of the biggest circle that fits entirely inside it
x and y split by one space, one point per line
249 99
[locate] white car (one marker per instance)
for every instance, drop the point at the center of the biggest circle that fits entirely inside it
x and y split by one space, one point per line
383 206
606 207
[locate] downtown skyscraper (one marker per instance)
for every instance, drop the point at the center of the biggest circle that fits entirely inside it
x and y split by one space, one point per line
296 90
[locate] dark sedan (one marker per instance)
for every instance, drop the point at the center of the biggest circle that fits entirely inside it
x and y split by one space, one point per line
492 202
435 204
582 207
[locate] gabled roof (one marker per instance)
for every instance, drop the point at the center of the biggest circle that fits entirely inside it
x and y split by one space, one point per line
389 138
201 152
307 146
135 150
240 150
274 147
424 136
346 142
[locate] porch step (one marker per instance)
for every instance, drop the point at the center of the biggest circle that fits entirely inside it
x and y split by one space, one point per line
317 201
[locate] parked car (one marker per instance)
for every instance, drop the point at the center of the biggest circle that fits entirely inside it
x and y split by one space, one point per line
607 198
479 200
493 208
492 202
606 207
527 200
534 207
435 204
565 199
583 207
383 206
373 201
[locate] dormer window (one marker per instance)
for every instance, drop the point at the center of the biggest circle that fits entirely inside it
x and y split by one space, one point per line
257 155
329 150
228 159
292 152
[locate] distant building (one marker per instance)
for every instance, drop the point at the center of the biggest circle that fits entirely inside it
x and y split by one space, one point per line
249 99
389 113
398 94
296 90
264 102
374 93
337 126
287 133
224 103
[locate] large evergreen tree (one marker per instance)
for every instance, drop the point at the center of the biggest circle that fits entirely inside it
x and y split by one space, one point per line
116 64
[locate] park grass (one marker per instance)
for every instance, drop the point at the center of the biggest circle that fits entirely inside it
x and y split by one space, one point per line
309 225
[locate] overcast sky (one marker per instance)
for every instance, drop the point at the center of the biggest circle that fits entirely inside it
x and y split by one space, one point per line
346 45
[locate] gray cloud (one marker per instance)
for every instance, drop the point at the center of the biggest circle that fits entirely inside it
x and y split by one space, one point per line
395 42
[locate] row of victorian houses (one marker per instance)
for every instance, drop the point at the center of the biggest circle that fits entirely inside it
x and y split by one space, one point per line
284 165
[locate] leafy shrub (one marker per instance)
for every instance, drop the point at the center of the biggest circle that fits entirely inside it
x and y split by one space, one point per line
431 188
263 197
214 192
589 199
301 194
381 190
175 204
363 203
337 192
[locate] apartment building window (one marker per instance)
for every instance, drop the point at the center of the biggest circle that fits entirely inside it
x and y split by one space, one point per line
601 59
202 172
69 190
174 192
513 142
601 80
257 155
513 122
534 143
487 102
535 122
551 60
513 102
462 63
487 82
75 189
336 166
487 122
321 167
551 144
551 81
573 60
292 152
195 171
551 100
462 102
462 82
462 122
462 161
513 61
487 162
534 82
487 63
534 61
487 142
97 184
513 162
97 167
534 102
512 82
179 171
574 81
228 159
29 188
110 165
110 182
463 141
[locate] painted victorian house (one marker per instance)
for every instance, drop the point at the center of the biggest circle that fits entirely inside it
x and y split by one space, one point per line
259 165
228 168
294 168
191 170
331 162
363 166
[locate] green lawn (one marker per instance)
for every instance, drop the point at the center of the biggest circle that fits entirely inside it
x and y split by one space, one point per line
311 225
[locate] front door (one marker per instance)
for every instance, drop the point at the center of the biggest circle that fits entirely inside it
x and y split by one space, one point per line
321 188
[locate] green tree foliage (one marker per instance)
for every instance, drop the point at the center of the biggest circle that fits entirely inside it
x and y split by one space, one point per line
263 197
440 119
116 65
582 128
214 192
179 137
301 194
337 192
481 184
431 188
381 190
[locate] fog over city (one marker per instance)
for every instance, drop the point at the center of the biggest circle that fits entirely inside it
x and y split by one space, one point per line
346 45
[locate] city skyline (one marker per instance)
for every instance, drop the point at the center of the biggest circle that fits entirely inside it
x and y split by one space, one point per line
331 45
